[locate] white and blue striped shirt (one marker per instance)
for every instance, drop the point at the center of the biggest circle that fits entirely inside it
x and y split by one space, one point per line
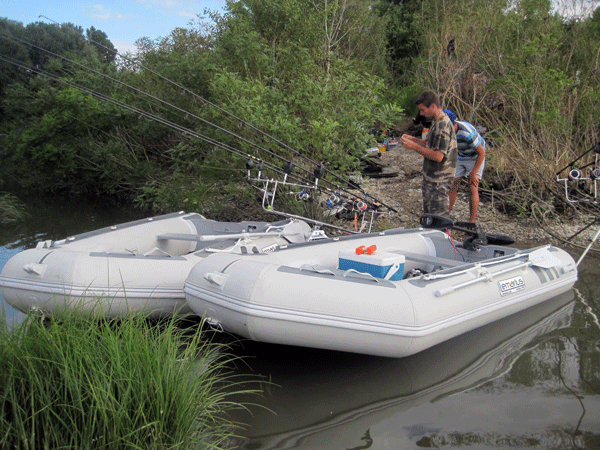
467 140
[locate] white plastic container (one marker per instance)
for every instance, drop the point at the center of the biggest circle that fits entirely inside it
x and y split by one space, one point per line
389 266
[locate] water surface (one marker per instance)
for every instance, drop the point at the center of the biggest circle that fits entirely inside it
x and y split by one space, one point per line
530 381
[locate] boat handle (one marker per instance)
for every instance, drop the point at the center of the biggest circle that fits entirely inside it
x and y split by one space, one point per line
216 277
213 324
37 269
484 275
368 276
311 268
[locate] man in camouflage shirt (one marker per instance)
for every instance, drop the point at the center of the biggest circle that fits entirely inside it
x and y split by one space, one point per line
439 154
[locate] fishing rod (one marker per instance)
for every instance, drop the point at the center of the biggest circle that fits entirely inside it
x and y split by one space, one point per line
139 91
179 128
172 125
207 102
174 107
596 148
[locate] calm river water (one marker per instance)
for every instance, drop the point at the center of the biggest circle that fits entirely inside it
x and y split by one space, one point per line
530 381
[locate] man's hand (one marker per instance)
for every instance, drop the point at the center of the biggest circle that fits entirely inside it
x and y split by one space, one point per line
418 145
405 140
411 142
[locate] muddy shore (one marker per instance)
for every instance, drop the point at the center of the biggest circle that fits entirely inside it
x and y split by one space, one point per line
403 193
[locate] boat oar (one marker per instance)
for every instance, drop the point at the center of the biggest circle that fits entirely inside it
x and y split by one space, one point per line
212 237
541 257
589 246
296 231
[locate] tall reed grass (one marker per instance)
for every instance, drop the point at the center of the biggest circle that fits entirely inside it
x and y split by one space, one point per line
77 383
11 209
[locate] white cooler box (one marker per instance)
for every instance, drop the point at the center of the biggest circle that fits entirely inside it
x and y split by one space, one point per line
389 266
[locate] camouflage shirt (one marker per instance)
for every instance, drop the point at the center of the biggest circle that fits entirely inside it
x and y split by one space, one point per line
441 137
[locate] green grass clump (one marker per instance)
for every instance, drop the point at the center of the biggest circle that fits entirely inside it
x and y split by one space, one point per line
72 382
11 209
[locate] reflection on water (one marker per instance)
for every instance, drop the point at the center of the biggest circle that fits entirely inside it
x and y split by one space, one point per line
48 219
513 383
528 381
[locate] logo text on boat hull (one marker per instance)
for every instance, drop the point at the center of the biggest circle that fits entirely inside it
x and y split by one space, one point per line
511 285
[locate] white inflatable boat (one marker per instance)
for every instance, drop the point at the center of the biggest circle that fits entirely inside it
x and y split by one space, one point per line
333 415
393 293
137 267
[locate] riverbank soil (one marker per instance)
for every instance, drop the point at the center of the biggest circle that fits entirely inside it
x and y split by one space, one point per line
403 193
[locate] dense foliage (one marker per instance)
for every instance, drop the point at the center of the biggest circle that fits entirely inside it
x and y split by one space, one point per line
526 72
72 382
291 80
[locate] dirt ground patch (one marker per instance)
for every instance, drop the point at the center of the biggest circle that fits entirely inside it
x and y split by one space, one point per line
403 193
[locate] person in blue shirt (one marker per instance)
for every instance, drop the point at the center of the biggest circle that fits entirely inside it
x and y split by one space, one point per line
471 161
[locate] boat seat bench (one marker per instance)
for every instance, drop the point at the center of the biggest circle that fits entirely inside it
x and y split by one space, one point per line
444 262
435 260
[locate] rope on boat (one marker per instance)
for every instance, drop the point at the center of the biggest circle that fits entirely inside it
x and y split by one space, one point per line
588 247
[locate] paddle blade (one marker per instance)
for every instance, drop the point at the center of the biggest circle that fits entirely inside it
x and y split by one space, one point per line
542 257
297 231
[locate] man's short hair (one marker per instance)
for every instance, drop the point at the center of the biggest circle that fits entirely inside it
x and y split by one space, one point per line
427 98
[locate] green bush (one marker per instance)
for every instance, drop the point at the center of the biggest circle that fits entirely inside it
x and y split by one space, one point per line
76 382
11 209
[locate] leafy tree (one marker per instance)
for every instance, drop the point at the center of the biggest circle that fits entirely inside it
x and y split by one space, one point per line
52 146
350 31
11 50
404 34
55 138
106 50
186 56
295 69
261 39
53 38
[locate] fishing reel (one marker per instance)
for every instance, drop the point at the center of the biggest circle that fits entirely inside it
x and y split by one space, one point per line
360 206
304 196
581 185
334 200
574 175
307 194
577 175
